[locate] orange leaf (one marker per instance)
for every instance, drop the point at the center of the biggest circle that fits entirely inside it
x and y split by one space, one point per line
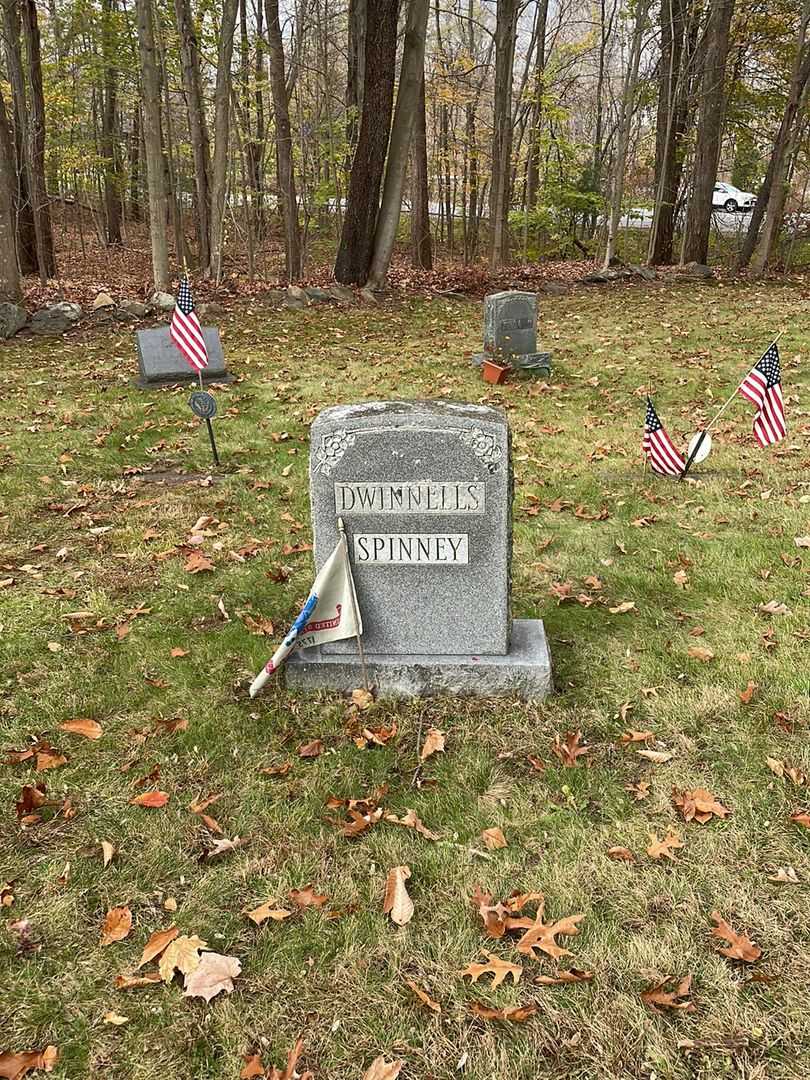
657 997
660 849
268 910
572 975
15 1066
156 944
494 966
699 805
117 924
197 563
540 935
801 817
569 749
134 982
152 799
739 946
621 854
434 741
748 692
493 838
307 897
425 998
49 759
311 749
515 1015
91 729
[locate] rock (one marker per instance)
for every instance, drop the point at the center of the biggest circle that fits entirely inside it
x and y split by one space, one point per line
56 319
103 300
552 288
644 272
275 296
598 277
698 271
134 308
212 310
295 292
318 296
342 293
162 301
12 318
294 304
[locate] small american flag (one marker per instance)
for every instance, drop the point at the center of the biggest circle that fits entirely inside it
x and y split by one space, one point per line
185 329
763 388
658 447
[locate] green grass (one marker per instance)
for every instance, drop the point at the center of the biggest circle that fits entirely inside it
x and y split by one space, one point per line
85 528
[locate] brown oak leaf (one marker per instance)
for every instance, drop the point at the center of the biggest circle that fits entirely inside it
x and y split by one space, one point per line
540 935
665 848
117 924
494 966
739 946
658 997
423 996
698 805
569 749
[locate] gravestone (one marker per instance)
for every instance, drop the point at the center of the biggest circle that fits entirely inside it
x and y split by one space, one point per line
510 331
425 493
160 361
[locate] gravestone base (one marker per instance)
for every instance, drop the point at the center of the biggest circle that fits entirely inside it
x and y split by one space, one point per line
538 361
525 671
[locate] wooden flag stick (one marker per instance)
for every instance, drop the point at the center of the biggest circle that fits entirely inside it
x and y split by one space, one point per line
717 416
342 531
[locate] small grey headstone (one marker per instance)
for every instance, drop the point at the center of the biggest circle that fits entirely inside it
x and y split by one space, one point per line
510 330
424 489
161 362
12 319
56 319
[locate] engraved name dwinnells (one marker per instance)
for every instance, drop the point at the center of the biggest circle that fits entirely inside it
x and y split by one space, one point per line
434 549
410 497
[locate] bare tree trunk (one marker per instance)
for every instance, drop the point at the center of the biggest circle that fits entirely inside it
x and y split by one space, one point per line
10 288
36 132
158 206
421 242
356 74
533 152
222 127
112 185
197 125
500 189
135 204
284 158
771 199
625 123
357 236
670 130
24 215
710 130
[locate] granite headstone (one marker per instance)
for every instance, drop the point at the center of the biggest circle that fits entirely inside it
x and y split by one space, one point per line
160 361
510 330
424 489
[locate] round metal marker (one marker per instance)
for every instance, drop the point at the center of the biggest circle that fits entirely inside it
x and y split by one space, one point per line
703 450
203 405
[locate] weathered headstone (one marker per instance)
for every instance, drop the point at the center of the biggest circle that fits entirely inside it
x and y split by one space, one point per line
161 362
425 491
510 331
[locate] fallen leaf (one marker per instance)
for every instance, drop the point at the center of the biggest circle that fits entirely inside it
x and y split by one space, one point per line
785 771
701 653
785 875
311 749
434 1006
182 954
268 910
635 736
698 805
658 757
197 563
660 849
152 799
801 817
276 770
178 652
657 997
15 1066
49 759
362 698
493 838
494 966
739 946
307 897
517 1014
396 902
434 741
569 749
224 845
540 935
747 694
380 1069
107 851
134 982
212 975
623 608
91 729
411 821
802 541
156 944
252 1068
572 975
639 791
681 579
115 1018
773 607
621 854
117 924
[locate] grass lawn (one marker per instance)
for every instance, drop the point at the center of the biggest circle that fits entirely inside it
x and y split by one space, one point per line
102 487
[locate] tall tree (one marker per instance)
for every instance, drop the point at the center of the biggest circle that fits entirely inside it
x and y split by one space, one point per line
626 111
411 81
9 270
770 203
355 72
357 236
533 150
284 146
158 205
109 114
710 130
197 125
501 184
421 241
222 127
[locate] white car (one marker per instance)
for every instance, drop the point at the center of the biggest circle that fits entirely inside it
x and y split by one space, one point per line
731 199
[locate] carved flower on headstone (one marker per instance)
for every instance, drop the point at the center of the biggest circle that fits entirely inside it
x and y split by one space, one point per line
333 447
484 446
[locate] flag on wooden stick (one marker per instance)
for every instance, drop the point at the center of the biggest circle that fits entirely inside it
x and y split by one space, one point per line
658 447
763 388
330 614
185 330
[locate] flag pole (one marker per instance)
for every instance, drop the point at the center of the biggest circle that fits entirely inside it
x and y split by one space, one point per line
718 414
355 613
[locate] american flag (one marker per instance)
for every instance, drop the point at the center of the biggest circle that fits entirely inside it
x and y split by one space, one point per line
658 447
185 329
763 388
